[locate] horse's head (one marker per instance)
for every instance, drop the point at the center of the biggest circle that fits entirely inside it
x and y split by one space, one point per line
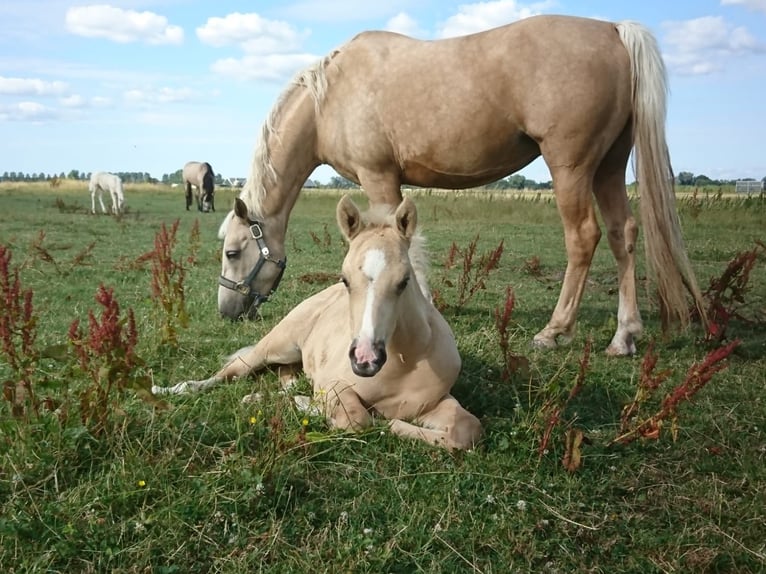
207 201
250 270
377 273
208 188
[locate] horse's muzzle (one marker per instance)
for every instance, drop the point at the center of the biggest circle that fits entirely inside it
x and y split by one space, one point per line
367 363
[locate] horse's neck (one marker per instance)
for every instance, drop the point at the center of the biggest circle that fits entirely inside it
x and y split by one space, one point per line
285 157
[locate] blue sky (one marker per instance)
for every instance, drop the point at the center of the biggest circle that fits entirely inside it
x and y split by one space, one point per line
147 85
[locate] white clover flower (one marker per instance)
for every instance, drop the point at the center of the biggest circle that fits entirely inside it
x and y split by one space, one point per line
521 505
490 499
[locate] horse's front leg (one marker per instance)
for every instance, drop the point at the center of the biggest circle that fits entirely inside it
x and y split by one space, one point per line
447 425
188 196
581 235
240 364
345 408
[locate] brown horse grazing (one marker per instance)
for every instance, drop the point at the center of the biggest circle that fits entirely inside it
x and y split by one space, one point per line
200 175
371 344
386 110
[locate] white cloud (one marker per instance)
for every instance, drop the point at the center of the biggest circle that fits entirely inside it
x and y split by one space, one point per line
73 101
27 112
485 15
702 46
272 49
31 87
150 97
251 32
405 24
335 11
270 68
123 26
757 5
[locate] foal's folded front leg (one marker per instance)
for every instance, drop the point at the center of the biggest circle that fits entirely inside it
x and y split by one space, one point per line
240 364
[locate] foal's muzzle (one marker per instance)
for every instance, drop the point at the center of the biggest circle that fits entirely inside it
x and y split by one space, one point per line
371 365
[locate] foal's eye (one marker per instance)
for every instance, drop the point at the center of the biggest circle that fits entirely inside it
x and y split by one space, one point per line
402 284
344 281
232 254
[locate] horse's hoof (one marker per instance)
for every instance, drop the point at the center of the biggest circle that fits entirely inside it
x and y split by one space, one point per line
622 348
543 343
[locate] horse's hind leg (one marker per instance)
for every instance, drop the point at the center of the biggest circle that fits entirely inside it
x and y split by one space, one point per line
188 196
622 232
448 425
581 235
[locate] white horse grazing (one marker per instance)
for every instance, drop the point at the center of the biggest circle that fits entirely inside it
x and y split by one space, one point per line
372 344
100 182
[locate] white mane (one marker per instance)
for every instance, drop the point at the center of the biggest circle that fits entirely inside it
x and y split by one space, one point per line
262 170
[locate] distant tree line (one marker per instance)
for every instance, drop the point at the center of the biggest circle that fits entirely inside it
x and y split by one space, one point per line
516 181
126 176
688 178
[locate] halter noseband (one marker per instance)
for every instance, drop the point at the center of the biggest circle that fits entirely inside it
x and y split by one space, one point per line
244 287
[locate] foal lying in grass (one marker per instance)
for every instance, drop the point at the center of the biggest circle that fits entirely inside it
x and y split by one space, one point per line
372 344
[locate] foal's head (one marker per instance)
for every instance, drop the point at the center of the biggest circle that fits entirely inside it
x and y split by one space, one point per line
377 273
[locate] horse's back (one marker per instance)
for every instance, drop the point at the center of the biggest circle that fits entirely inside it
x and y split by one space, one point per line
475 106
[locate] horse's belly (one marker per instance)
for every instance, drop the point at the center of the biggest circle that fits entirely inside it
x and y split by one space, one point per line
447 169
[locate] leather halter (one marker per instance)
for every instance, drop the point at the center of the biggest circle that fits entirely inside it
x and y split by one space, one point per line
244 288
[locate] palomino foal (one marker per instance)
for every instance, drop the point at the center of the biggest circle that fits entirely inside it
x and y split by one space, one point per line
372 344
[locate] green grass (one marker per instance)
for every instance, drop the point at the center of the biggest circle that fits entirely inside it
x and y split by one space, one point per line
210 485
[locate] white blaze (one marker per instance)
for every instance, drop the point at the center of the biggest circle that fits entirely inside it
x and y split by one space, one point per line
374 263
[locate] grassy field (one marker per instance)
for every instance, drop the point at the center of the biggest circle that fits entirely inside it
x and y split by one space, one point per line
211 485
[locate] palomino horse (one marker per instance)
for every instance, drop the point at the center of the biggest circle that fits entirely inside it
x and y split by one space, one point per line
200 175
386 110
373 344
99 183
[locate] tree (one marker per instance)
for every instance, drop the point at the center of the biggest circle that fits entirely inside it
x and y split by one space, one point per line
74 174
702 180
685 178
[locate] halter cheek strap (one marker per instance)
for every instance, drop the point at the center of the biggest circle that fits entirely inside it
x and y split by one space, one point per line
244 287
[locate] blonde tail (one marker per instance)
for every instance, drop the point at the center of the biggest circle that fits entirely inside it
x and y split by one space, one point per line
665 252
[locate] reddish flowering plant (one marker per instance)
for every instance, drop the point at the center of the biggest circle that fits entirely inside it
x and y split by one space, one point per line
168 283
17 337
555 406
106 355
473 274
726 294
699 374
512 362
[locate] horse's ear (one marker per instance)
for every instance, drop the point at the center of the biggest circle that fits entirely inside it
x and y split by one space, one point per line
349 218
240 208
406 217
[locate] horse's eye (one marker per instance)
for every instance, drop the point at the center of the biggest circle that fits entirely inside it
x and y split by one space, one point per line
402 284
232 253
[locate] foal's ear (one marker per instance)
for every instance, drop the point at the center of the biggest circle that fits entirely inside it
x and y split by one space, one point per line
240 208
349 218
406 217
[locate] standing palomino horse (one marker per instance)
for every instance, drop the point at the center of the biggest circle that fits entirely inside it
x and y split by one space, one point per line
200 175
386 110
372 344
99 183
